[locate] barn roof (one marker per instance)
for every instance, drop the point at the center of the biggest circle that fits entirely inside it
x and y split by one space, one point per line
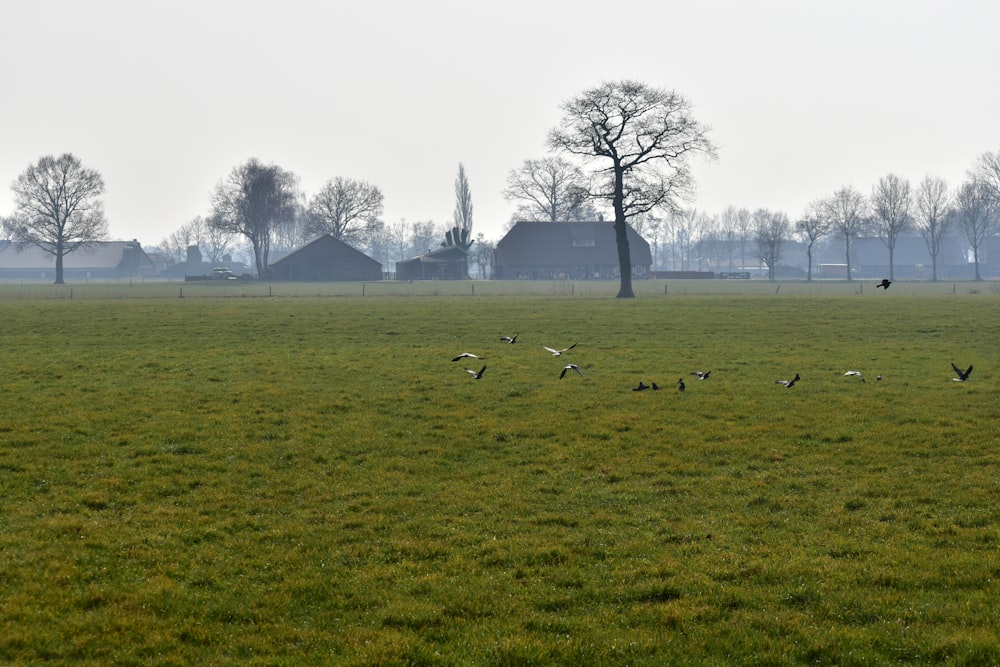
328 244
568 243
97 255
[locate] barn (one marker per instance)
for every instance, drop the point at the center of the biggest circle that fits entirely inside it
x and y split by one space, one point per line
98 260
447 263
566 250
326 258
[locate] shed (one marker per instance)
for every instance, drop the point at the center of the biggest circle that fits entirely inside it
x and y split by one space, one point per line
97 260
447 263
326 258
571 250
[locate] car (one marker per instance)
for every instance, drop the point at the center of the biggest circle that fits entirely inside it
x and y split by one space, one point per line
223 274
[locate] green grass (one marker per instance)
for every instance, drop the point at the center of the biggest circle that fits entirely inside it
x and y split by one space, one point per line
310 480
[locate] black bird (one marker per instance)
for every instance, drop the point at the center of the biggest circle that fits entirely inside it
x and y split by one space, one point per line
476 374
701 375
962 377
789 383
680 384
884 284
655 387
556 353
468 355
569 367
642 386
510 339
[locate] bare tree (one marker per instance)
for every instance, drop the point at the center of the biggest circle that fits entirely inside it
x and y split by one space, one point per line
550 189
845 210
744 229
58 207
482 255
770 231
645 138
891 205
463 202
933 201
987 170
345 208
423 237
976 214
252 201
813 226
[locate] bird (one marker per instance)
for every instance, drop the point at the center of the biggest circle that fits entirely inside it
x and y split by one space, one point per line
569 367
789 383
878 378
556 353
680 384
510 339
468 355
476 374
962 376
858 373
654 387
884 284
642 386
701 375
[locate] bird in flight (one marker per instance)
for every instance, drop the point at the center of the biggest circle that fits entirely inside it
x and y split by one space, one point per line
642 386
962 375
556 353
884 284
467 355
569 367
858 373
789 383
680 384
510 339
476 374
702 375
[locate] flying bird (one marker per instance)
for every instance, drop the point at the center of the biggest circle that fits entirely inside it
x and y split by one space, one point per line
858 373
476 374
680 384
962 376
701 375
884 284
567 368
789 383
510 339
556 353
642 386
467 355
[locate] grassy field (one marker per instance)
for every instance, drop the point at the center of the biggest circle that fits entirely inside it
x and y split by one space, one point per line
311 480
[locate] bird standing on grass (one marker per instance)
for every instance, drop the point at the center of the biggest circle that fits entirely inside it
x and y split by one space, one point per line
962 376
642 386
680 384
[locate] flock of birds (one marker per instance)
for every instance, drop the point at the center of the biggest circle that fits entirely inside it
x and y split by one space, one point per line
960 375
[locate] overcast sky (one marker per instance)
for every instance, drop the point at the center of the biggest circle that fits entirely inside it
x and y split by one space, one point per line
165 97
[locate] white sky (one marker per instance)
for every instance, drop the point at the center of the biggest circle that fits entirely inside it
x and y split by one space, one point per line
165 97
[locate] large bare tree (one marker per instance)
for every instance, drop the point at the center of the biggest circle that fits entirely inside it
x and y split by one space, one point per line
846 210
252 201
891 205
550 189
643 140
976 211
58 207
770 231
345 208
933 202
813 226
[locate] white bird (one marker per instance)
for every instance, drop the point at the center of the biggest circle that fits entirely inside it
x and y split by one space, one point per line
962 376
556 353
476 374
789 383
569 367
858 373
702 375
510 339
467 355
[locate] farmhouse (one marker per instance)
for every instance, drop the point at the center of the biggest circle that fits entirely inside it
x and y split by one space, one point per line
98 260
572 250
447 263
326 258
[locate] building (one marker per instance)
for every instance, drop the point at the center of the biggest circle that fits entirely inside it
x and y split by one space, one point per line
447 263
566 250
326 258
98 260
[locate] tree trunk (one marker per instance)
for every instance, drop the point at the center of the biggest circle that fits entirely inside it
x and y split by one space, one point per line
621 236
847 258
809 263
59 264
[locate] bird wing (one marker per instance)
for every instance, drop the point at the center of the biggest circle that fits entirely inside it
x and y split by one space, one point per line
551 350
968 372
958 371
570 347
563 374
480 373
